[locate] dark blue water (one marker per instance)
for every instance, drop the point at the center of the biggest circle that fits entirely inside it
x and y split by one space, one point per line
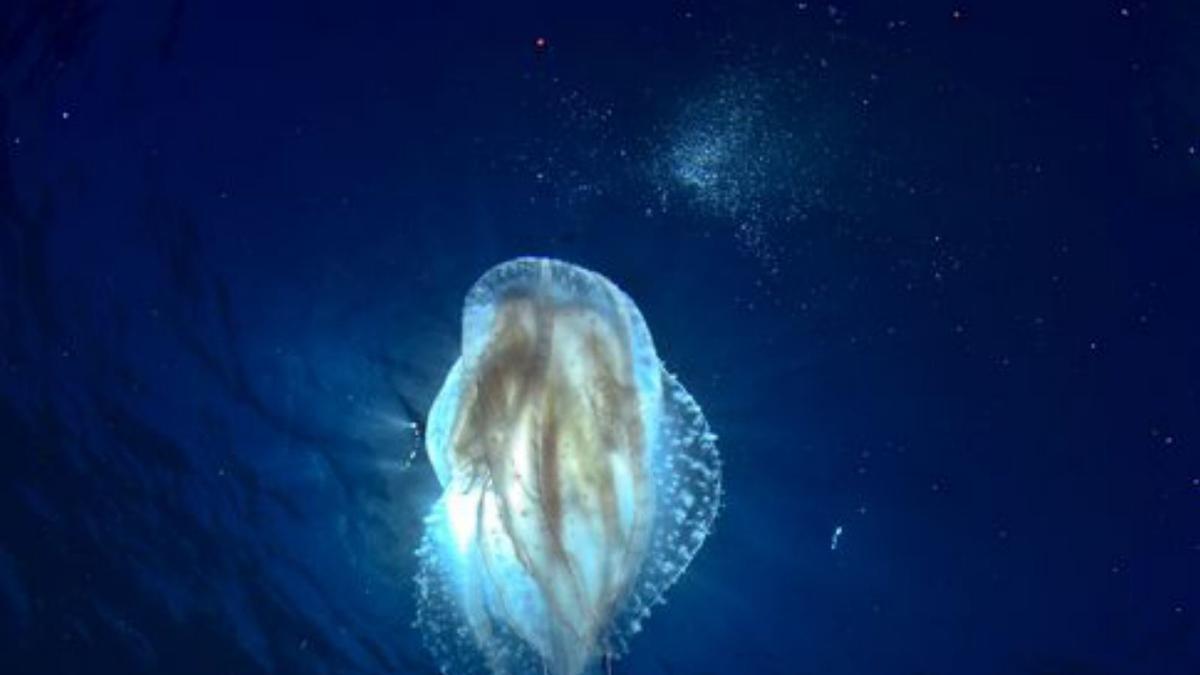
929 269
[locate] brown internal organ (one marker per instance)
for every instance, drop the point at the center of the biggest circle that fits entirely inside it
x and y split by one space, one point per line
548 399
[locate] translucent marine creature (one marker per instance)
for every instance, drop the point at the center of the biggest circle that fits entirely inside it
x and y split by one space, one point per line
579 477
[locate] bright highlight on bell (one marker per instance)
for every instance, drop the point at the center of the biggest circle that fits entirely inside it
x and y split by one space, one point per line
579 477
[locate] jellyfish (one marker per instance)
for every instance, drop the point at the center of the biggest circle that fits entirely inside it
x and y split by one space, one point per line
579 478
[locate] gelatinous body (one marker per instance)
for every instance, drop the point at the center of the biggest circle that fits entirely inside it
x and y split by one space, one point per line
579 478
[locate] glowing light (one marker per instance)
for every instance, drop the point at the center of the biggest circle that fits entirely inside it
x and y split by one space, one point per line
579 477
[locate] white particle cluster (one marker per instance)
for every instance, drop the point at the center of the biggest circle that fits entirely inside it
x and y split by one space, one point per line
734 155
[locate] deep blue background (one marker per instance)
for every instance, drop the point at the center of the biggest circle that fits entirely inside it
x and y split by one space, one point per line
951 308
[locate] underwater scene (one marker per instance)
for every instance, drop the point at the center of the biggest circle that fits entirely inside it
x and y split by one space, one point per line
630 338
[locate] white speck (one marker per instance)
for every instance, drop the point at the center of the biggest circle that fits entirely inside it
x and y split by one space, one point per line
66 114
837 534
687 498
